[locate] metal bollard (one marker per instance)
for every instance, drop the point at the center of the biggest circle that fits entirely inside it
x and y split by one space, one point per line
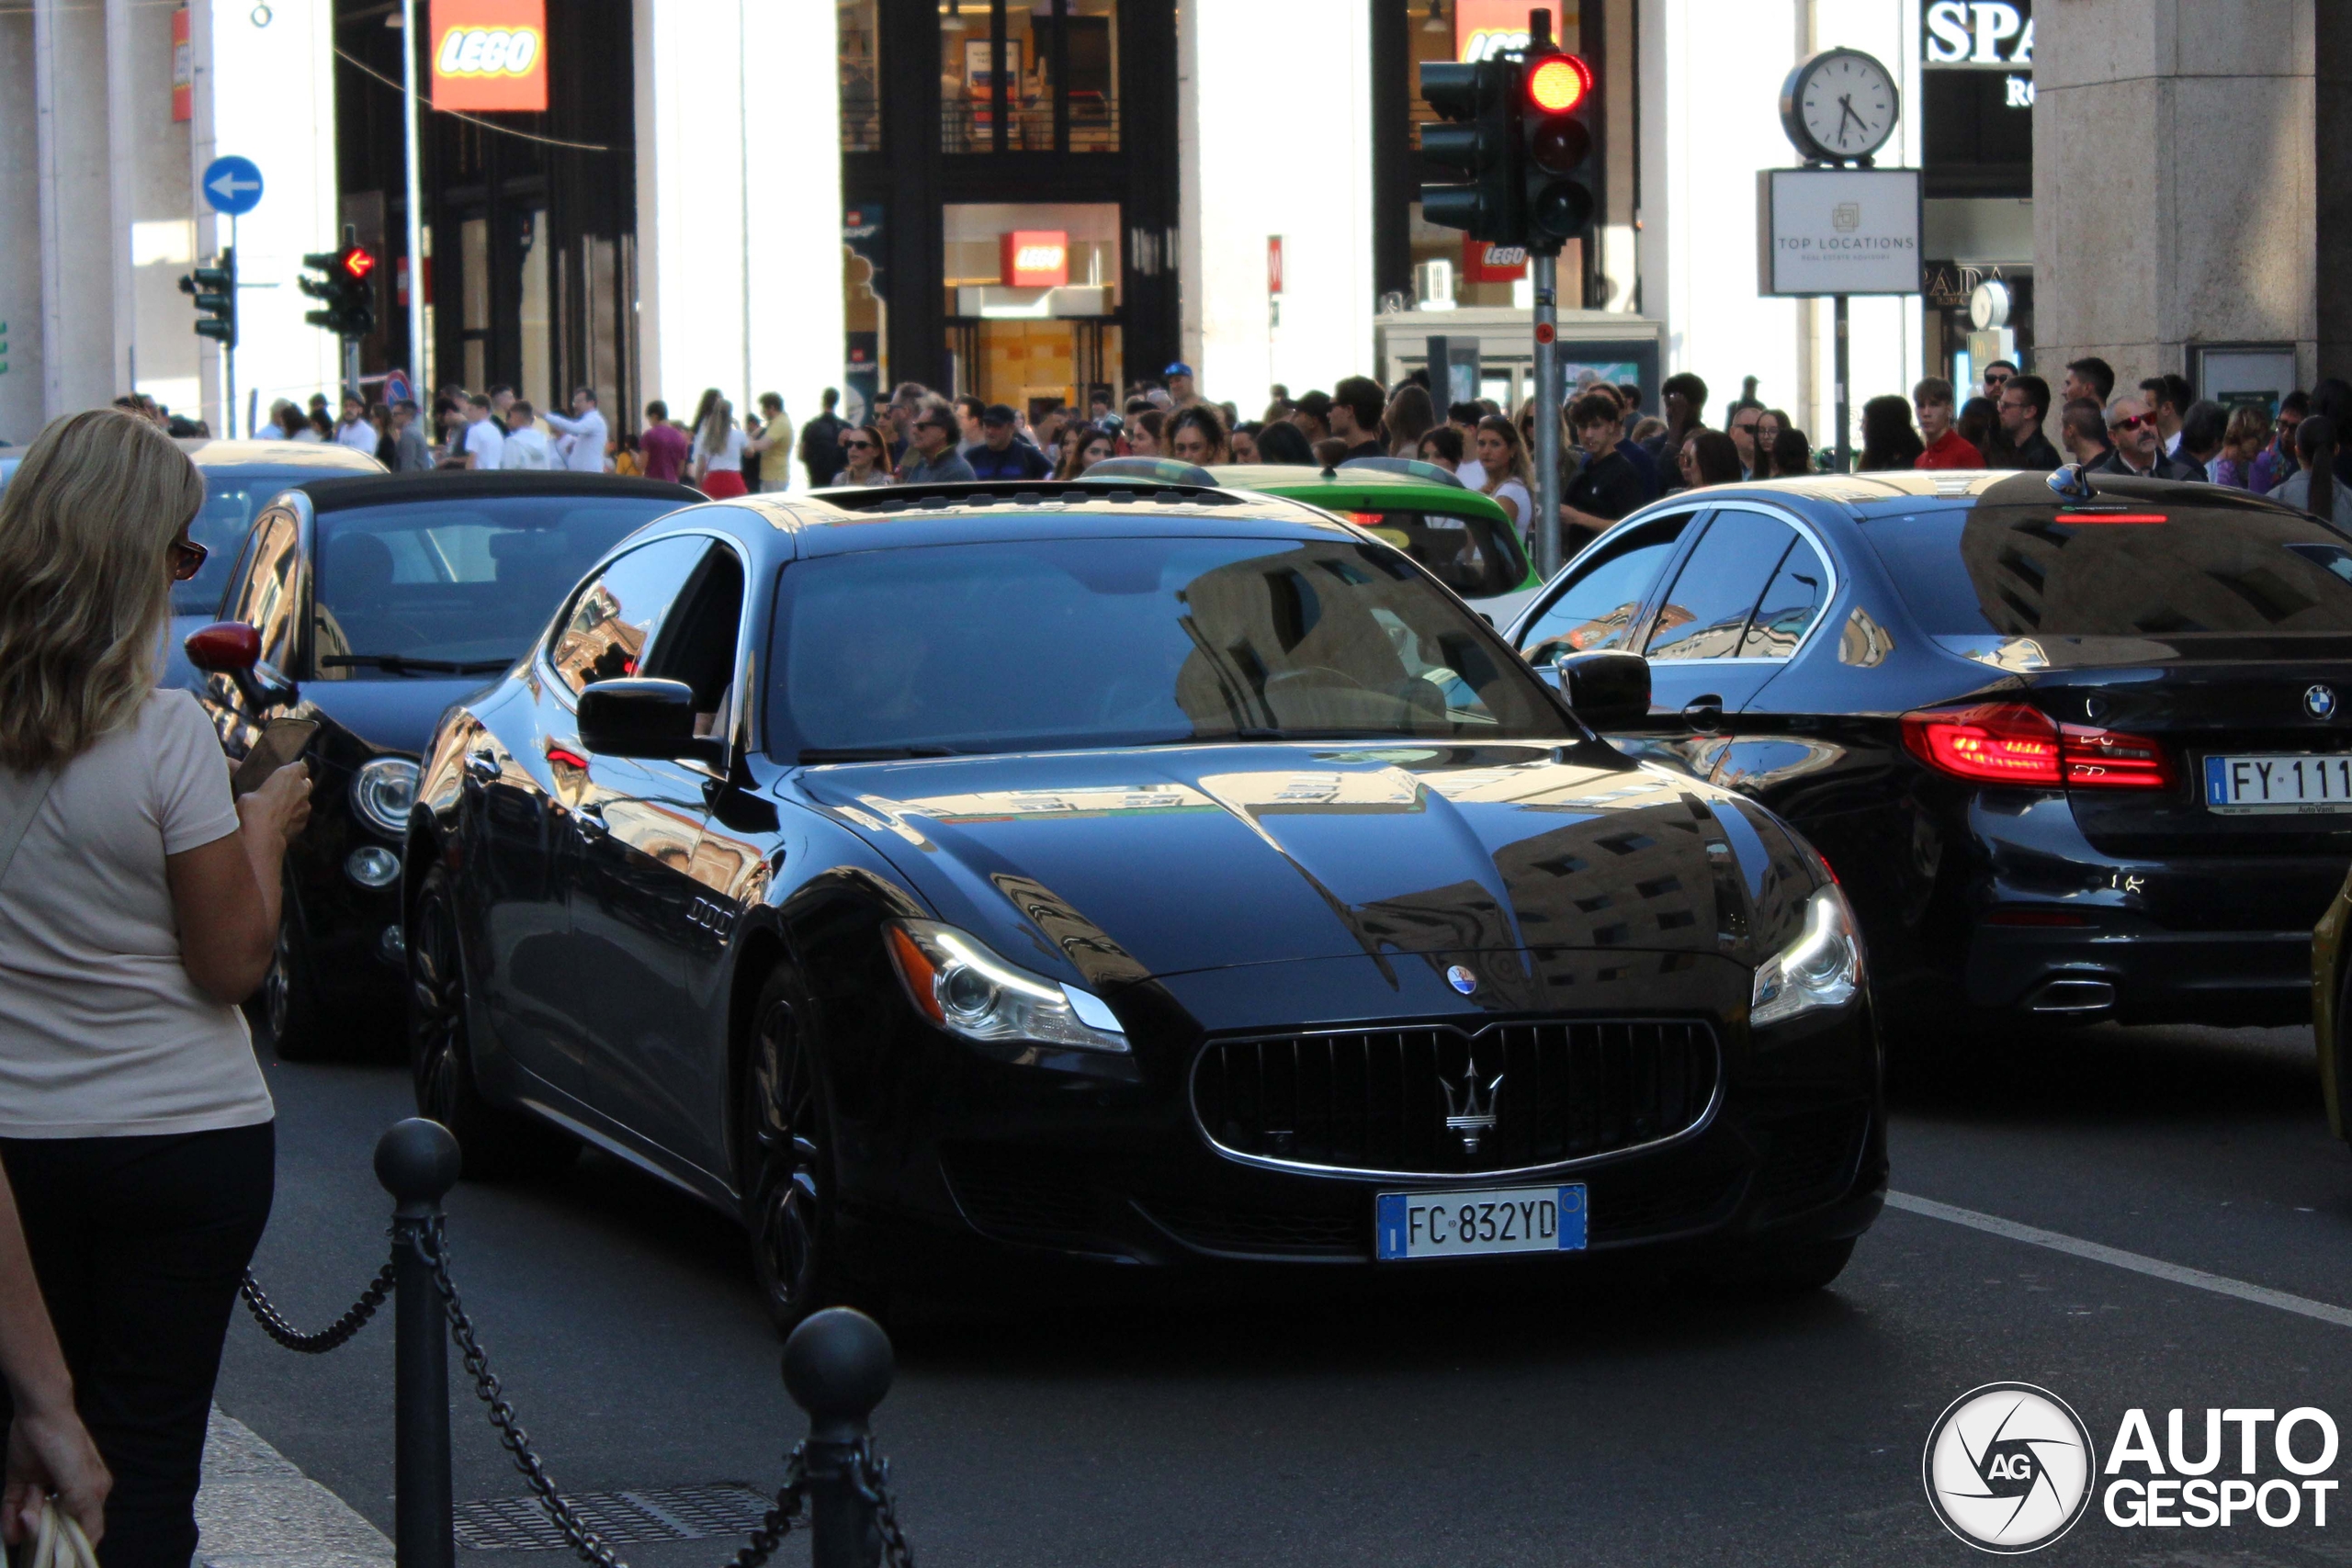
837 1367
417 1162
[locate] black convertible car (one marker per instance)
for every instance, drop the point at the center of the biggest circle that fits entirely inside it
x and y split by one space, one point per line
2076 753
366 607
1145 874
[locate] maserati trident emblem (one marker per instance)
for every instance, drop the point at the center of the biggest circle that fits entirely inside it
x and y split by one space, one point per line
1470 1109
1461 979
2319 701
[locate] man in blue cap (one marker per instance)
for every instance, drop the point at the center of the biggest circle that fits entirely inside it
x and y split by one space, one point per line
1180 384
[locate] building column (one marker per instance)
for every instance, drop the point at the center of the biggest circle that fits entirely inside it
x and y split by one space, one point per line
2174 197
1315 60
21 205
77 241
739 202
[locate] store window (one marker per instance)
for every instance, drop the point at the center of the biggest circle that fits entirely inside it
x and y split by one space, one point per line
1032 299
856 35
1054 88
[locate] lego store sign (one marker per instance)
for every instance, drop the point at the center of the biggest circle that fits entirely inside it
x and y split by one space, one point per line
1033 258
490 54
1484 28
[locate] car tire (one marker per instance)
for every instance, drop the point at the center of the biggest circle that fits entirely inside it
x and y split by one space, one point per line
495 1143
1792 1271
785 1146
287 1007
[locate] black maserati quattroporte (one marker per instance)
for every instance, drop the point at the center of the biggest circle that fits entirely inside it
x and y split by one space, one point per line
1138 873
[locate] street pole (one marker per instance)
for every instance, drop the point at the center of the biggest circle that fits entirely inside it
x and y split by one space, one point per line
229 349
350 344
417 1163
1845 420
415 208
1543 528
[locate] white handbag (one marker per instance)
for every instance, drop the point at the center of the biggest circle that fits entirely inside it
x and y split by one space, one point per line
58 1543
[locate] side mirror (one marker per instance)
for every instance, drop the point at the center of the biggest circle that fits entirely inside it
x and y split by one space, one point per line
644 719
224 647
1608 688
233 649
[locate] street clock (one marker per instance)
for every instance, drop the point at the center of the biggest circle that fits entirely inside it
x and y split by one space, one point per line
1839 105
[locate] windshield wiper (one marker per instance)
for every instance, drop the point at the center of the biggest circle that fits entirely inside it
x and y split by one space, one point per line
812 755
401 664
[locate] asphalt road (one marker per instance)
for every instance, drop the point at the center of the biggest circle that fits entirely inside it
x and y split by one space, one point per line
1615 1426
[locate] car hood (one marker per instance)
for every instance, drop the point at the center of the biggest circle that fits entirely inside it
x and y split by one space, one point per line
1137 863
393 715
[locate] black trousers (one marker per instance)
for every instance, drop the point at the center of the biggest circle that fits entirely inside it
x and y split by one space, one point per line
139 1244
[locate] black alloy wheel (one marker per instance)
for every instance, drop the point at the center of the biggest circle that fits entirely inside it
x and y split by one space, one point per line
289 1006
785 1149
495 1141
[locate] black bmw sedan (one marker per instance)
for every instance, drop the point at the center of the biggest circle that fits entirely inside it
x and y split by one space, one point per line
1151 874
2075 754
365 606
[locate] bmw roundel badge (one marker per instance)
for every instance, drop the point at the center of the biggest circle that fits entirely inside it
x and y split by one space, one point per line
2319 701
1461 979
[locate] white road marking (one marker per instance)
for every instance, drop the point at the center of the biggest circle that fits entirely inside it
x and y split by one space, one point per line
256 1509
2155 1267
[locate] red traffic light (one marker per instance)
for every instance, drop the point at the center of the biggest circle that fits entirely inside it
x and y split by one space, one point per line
356 263
1558 83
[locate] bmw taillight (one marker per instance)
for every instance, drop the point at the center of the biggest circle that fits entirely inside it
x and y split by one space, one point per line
2011 743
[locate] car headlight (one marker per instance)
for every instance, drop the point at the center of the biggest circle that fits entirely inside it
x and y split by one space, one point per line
959 985
1823 968
382 791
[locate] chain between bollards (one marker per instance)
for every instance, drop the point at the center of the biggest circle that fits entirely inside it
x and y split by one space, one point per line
837 1365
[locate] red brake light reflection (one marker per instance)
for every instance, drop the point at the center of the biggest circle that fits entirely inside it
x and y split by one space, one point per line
2079 517
2011 743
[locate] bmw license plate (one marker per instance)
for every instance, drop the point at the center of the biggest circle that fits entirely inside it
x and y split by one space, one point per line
2278 783
1473 1225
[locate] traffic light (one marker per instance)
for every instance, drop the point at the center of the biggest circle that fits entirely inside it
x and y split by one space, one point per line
1481 101
214 290
348 285
1556 123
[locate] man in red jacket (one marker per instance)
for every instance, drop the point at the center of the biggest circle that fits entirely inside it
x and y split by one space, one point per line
1947 448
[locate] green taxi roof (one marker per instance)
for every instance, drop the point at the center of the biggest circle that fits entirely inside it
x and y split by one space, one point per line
1358 489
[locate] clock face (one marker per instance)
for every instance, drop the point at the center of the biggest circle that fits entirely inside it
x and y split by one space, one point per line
1847 104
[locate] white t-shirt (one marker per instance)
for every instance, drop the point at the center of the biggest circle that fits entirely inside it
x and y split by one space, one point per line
525 448
484 442
102 1032
360 435
583 448
1516 494
731 456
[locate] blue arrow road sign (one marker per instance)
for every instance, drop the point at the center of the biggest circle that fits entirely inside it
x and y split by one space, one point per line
233 185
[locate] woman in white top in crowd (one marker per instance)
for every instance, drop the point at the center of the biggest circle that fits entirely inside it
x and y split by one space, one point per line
718 456
138 907
1502 459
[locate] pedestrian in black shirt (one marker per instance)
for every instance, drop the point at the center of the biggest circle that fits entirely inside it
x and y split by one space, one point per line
2025 402
1606 488
1357 403
821 443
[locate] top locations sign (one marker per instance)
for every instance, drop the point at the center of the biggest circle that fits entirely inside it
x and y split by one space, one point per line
490 54
1838 231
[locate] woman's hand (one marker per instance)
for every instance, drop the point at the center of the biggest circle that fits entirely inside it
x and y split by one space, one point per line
281 808
51 1452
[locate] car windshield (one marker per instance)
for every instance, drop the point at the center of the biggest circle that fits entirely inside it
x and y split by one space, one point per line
1045 643
2117 568
233 497
454 586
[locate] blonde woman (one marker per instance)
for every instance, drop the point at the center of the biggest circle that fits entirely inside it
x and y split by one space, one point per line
1504 458
717 457
138 907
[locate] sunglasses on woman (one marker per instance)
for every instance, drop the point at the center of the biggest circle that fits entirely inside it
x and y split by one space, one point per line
857 447
187 559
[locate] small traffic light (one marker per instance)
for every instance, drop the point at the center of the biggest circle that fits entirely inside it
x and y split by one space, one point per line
1481 98
1558 195
214 288
348 285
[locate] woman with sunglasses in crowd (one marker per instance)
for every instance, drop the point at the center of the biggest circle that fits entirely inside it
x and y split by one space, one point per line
866 458
138 907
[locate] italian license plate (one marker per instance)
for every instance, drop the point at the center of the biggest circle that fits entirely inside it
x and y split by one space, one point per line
1473 1224
2278 783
